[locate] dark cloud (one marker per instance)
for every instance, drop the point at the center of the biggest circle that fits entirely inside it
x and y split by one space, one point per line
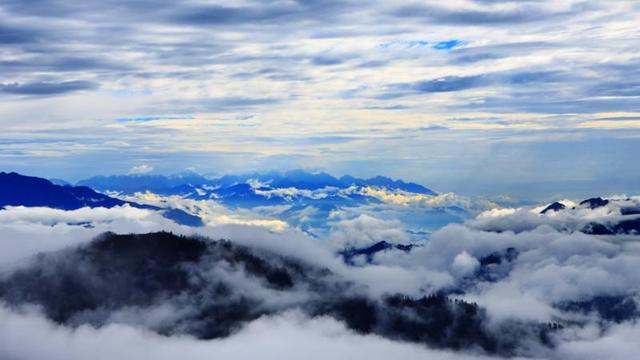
472 54
62 64
442 15
326 60
223 15
17 35
433 128
452 83
461 83
553 103
618 118
621 88
47 88
263 13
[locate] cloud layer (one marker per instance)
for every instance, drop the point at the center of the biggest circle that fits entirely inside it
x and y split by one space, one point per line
341 85
543 288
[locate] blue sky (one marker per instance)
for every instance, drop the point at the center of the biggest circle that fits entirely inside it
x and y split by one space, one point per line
528 98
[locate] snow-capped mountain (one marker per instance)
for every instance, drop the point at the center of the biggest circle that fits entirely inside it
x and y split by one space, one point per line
305 200
259 189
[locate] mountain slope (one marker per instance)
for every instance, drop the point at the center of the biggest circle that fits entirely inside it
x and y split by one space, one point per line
20 190
211 289
29 191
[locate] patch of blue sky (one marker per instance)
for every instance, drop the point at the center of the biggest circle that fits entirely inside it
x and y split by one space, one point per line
417 44
446 45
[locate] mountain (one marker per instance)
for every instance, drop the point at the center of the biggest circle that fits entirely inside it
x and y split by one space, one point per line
211 289
298 179
160 184
621 216
594 203
259 189
29 191
303 199
556 206
367 253
20 190
385 182
60 182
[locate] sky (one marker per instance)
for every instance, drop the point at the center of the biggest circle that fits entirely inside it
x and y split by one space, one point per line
529 98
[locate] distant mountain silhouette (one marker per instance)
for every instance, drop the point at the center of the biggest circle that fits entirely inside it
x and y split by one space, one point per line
160 184
295 187
556 206
20 190
369 252
299 179
594 203
29 191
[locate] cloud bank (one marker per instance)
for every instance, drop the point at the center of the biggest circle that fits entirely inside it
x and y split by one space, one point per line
542 289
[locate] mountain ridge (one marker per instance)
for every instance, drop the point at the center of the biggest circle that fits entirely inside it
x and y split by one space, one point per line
297 178
30 191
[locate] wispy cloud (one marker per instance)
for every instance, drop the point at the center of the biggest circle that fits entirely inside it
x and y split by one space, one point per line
47 88
141 169
306 70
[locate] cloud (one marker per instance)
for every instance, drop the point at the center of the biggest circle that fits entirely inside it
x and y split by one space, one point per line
141 169
33 230
216 15
465 264
10 35
365 231
480 16
616 343
325 60
212 289
518 270
47 88
153 118
218 62
62 63
451 83
290 335
461 83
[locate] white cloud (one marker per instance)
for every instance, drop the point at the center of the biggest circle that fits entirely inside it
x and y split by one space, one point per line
620 342
464 264
365 231
288 336
552 264
27 231
141 169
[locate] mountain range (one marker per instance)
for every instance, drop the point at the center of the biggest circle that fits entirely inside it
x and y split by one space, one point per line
299 179
28 191
310 197
257 189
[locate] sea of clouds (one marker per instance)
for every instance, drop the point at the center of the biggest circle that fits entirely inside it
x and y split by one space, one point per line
519 266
